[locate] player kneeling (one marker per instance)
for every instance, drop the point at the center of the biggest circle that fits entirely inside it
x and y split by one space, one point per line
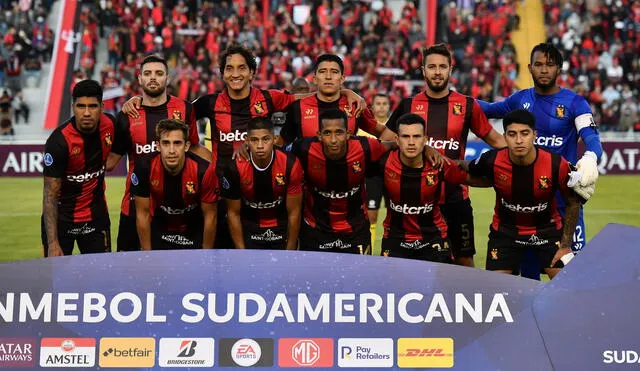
264 193
176 194
526 179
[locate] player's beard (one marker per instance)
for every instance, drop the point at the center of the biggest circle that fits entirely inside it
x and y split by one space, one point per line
154 93
436 88
546 86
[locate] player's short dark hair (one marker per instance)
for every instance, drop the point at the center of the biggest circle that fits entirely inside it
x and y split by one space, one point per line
167 125
260 123
154 58
329 58
381 95
550 51
333 114
410 119
519 116
243 51
87 88
441 49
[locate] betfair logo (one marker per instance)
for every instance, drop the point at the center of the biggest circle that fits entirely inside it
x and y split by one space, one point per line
127 352
425 352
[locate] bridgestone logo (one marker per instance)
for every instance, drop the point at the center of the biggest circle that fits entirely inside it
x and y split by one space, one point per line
450 144
339 195
517 208
81 178
411 210
192 362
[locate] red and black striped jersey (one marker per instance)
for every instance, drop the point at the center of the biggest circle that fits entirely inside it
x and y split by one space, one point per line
449 120
79 160
230 118
525 202
175 199
303 118
411 197
335 197
140 134
263 191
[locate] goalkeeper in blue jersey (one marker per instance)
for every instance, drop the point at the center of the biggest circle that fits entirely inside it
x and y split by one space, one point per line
562 117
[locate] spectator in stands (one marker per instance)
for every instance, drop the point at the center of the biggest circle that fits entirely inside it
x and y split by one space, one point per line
32 69
6 124
20 108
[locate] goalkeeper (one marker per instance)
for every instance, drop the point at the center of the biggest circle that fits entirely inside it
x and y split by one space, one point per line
562 117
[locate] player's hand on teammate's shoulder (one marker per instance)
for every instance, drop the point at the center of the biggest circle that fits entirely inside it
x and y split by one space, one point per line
132 106
352 97
434 157
242 151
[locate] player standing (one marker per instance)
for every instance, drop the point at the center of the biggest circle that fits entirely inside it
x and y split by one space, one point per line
263 194
526 179
175 192
562 117
449 116
140 138
74 206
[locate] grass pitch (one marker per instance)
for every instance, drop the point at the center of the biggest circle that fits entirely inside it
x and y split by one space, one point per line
617 200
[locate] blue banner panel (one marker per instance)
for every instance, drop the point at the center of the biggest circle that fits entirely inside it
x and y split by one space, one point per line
268 309
589 314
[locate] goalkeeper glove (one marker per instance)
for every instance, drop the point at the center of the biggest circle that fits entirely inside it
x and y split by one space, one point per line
587 166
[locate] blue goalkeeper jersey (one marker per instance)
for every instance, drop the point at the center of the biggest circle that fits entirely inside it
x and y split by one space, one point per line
560 118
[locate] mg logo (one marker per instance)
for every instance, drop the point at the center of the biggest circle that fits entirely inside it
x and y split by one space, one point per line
305 352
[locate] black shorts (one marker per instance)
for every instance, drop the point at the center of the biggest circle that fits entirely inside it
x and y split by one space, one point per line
265 238
374 192
92 237
504 253
436 250
459 218
165 240
313 239
128 233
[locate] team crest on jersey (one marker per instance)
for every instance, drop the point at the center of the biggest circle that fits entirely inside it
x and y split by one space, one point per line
176 115
494 254
560 111
108 140
347 110
190 188
356 167
280 179
457 109
543 182
431 179
258 108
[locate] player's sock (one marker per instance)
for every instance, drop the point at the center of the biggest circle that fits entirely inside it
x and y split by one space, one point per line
372 228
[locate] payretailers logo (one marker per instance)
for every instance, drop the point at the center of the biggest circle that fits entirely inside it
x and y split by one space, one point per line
425 352
127 352
367 353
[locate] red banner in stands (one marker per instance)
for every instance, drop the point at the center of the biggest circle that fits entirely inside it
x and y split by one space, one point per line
65 50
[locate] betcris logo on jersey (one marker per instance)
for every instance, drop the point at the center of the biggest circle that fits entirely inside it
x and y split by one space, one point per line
235 136
450 143
146 148
81 178
552 141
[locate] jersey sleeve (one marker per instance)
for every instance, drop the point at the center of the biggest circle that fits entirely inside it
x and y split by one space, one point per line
586 125
122 142
56 154
480 166
480 126
377 149
202 106
367 122
453 174
230 182
496 110
281 100
563 177
140 177
295 179
210 187
392 124
194 138
289 131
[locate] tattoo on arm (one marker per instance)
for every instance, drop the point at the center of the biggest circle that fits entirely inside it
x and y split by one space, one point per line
50 207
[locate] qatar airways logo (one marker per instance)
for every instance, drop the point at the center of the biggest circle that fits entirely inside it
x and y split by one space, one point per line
173 211
542 206
552 141
264 205
450 143
411 210
81 178
235 136
146 148
339 195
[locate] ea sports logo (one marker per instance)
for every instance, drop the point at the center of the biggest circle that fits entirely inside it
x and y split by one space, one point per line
246 352
305 352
